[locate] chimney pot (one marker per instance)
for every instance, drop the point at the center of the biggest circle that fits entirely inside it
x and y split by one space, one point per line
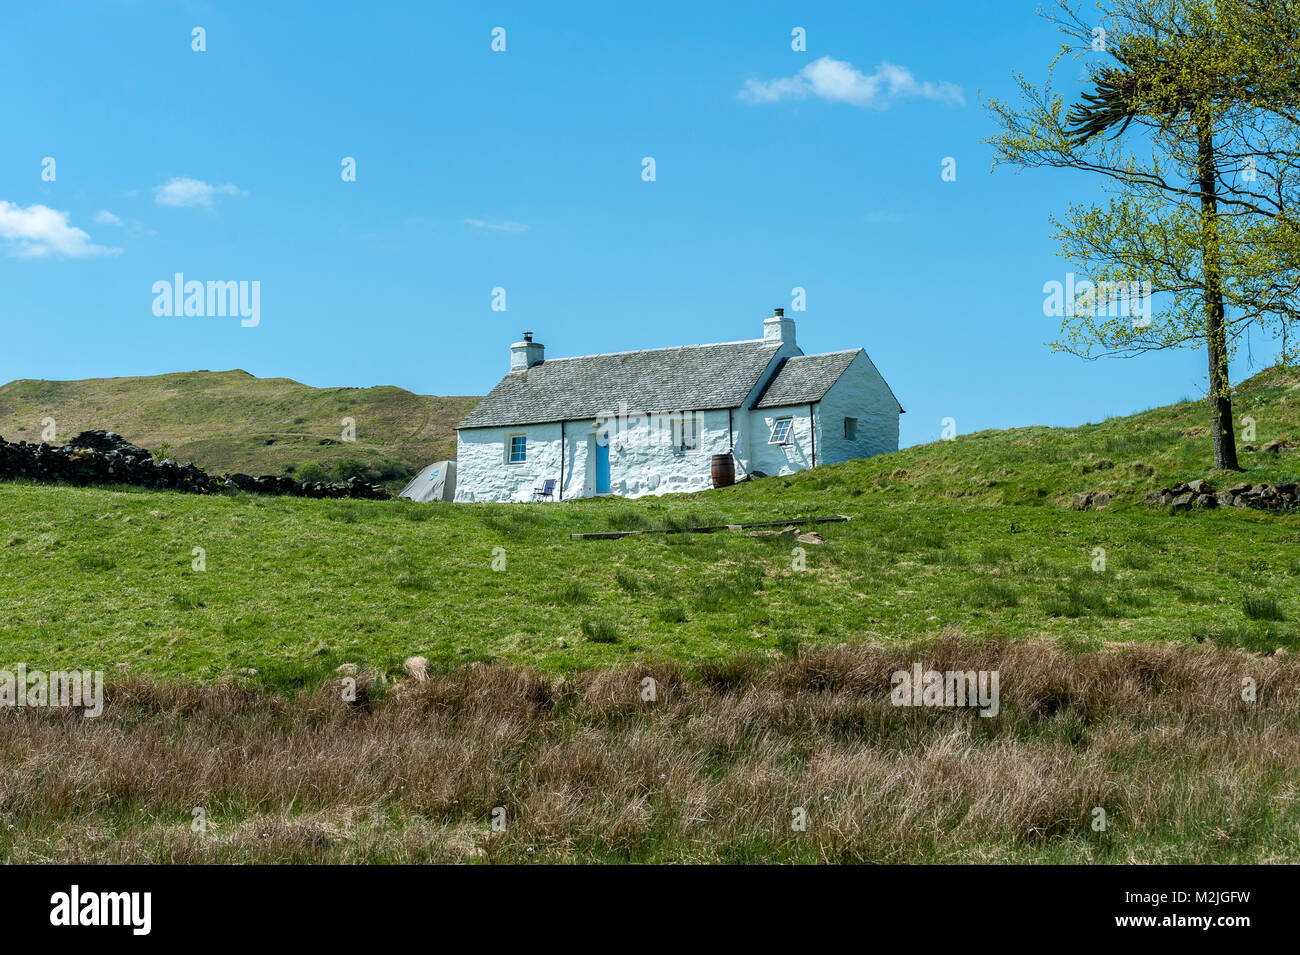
779 330
527 353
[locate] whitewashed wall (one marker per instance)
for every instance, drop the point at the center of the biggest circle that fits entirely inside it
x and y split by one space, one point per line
777 458
859 393
751 433
483 474
638 463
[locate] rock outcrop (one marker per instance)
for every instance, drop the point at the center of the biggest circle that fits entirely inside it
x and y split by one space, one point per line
103 457
1095 500
1188 494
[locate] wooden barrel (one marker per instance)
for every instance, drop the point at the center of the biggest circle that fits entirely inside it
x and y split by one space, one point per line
724 470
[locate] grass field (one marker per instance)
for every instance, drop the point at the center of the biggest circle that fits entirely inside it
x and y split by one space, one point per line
968 546
294 588
718 768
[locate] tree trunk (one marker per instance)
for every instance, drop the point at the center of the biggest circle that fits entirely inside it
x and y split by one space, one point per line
1225 441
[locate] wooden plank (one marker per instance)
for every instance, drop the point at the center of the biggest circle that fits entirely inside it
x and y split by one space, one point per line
615 535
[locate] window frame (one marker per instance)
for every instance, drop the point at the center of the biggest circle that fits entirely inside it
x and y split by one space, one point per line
786 438
677 426
510 447
850 429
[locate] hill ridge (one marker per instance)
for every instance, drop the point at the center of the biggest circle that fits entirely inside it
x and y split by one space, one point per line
232 420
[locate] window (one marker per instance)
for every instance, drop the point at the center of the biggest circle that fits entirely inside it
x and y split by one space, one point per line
685 432
850 429
781 431
517 449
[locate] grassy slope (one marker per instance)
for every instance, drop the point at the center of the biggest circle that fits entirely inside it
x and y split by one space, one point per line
293 588
231 421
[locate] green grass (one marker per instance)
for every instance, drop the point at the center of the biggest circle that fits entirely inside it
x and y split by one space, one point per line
1123 633
1128 456
1262 608
294 588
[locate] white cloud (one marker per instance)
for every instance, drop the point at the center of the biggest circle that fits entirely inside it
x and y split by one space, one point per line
513 228
104 217
184 191
40 231
841 82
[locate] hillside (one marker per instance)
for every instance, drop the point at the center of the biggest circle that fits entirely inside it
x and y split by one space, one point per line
1121 678
227 421
1129 456
972 534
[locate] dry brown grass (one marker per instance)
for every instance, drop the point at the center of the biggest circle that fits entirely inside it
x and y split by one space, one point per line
1157 736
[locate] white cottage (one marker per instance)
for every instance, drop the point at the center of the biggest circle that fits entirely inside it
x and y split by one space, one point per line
648 422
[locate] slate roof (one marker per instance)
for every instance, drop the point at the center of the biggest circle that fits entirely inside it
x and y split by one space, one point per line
684 378
805 378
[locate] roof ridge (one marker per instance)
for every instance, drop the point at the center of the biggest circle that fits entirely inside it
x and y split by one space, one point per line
824 354
642 351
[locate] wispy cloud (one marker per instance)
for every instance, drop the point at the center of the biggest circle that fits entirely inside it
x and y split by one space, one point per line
132 226
40 231
512 228
184 191
841 82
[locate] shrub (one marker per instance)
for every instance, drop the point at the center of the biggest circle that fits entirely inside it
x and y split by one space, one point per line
349 468
312 473
392 470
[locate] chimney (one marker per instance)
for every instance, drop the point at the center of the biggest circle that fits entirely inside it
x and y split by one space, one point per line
526 353
778 330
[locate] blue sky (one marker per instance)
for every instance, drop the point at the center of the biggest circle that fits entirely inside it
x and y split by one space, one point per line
522 169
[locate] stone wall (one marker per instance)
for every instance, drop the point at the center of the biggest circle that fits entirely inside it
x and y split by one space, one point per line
102 457
1184 495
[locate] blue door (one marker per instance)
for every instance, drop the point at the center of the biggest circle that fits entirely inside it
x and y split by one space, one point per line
602 467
